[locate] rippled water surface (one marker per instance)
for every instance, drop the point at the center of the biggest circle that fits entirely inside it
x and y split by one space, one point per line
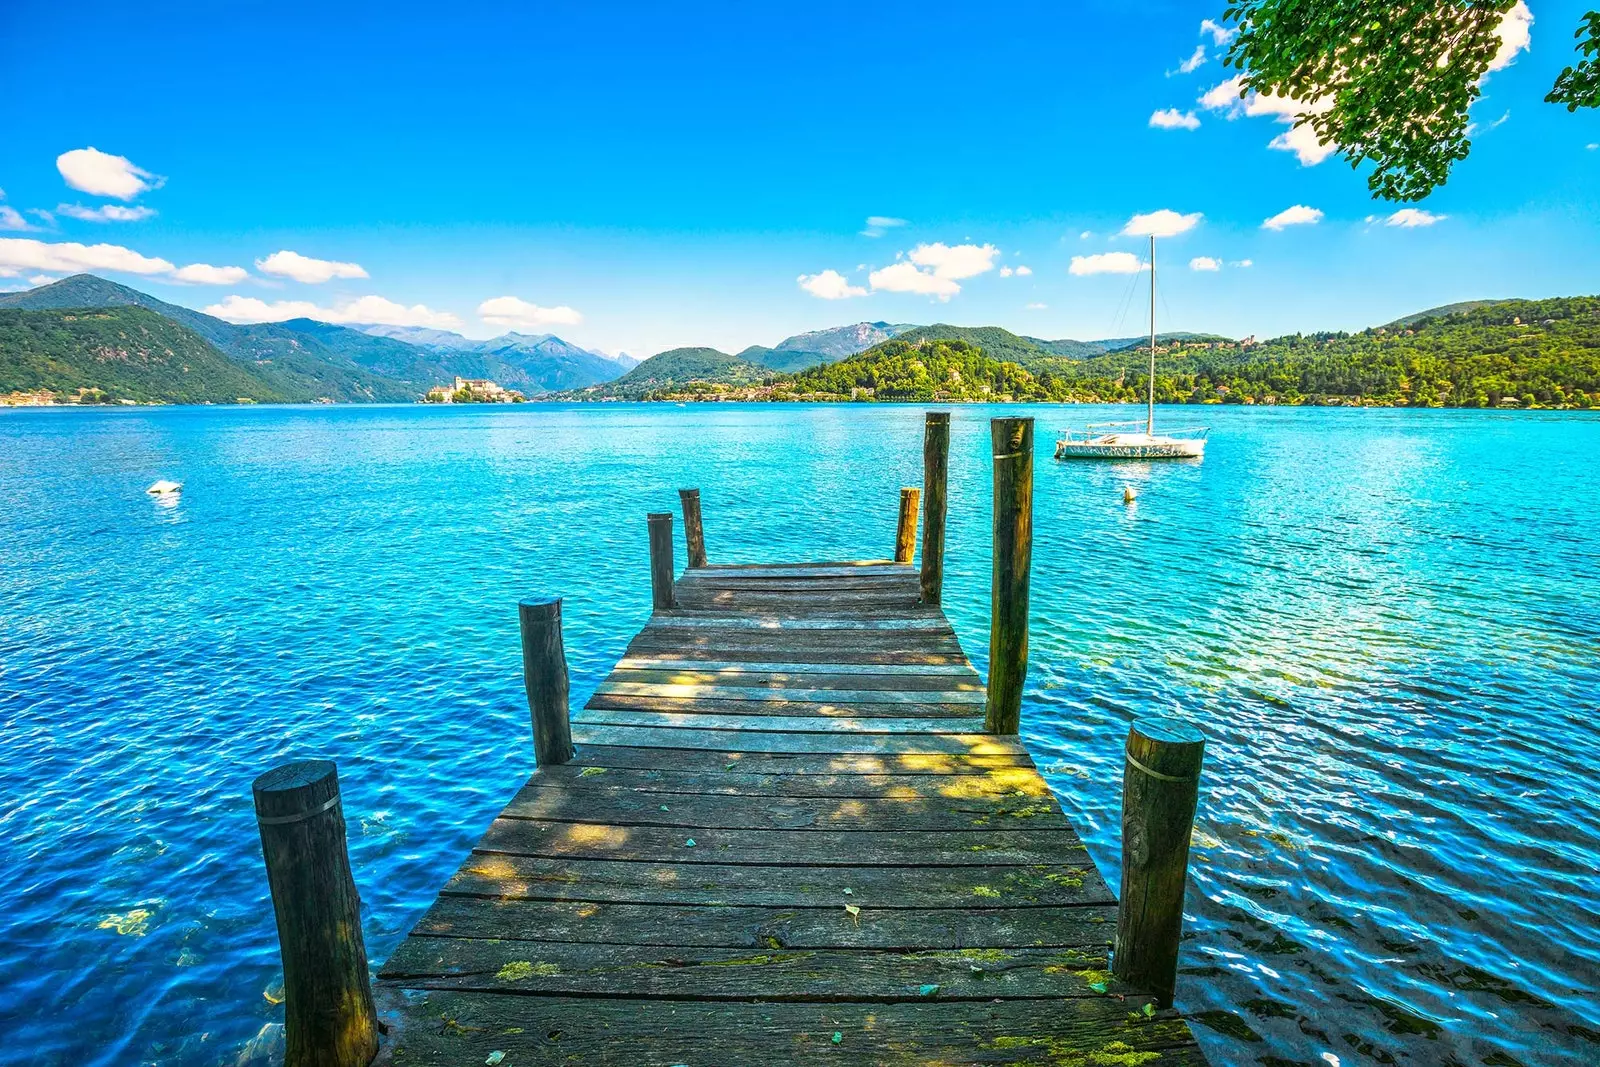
1387 623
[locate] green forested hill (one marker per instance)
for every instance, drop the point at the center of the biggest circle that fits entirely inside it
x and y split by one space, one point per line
675 370
996 343
908 370
119 353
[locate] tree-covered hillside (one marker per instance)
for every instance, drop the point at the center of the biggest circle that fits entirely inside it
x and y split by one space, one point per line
677 369
115 354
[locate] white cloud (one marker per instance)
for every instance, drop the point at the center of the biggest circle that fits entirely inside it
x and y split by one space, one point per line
1085 235
11 219
1205 263
904 277
1515 32
1006 272
1245 263
514 312
1300 138
293 265
1592 147
19 253
1037 307
1412 217
365 309
877 224
43 279
830 285
1192 64
206 274
954 261
1219 34
1298 215
1173 119
105 213
1163 223
1024 271
99 173
1107 263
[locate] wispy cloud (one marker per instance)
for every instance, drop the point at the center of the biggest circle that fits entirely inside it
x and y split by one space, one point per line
364 309
98 173
513 312
830 285
1298 215
1412 217
1192 64
1220 34
105 213
878 225
287 264
1107 263
1163 223
1173 119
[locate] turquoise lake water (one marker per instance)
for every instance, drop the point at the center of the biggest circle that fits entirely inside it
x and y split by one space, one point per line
1387 623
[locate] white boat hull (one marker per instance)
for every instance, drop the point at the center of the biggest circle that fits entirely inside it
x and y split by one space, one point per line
1130 446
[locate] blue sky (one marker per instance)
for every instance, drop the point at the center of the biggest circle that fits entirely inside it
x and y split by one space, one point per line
637 177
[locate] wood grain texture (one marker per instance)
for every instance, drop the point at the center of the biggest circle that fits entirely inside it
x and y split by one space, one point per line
786 836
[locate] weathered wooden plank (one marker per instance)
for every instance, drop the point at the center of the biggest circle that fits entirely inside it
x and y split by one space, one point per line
813 694
920 671
803 724
1086 927
554 800
465 1028
666 621
864 583
494 874
707 759
833 569
701 973
1004 783
774 848
741 708
925 654
926 687
976 744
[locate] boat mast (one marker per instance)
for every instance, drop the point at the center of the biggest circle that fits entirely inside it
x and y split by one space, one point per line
1150 407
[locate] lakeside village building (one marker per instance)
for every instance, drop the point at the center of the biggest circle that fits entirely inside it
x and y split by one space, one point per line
473 391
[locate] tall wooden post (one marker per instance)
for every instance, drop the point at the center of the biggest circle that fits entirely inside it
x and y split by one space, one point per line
328 1013
935 473
905 534
661 559
1160 789
1013 558
693 534
544 676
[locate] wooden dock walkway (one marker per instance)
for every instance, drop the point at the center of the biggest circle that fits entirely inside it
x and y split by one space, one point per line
785 838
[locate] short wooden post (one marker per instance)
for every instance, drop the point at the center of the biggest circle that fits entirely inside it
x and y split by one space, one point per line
693 534
1013 559
905 535
544 676
328 1013
661 569
935 473
1160 789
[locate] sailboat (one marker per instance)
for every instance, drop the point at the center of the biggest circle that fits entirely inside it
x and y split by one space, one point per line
1126 440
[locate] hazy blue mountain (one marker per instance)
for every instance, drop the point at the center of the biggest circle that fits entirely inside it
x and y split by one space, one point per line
829 346
299 365
532 363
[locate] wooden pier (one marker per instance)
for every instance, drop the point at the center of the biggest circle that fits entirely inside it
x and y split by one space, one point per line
785 835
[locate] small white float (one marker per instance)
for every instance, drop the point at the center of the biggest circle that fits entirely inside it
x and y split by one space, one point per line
164 487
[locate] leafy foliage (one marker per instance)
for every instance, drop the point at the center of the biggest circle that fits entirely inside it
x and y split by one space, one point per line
1579 86
1389 83
677 369
119 353
921 370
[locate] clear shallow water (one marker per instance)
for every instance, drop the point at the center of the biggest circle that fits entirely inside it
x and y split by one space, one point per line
1387 623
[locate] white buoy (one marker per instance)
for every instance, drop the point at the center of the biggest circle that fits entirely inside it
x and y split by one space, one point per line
163 487
1128 495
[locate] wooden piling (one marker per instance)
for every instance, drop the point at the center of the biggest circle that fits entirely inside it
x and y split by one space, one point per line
935 474
905 535
661 569
328 1012
1013 556
693 534
1160 790
544 676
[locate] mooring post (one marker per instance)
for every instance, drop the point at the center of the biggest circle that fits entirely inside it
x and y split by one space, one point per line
544 676
935 473
1013 558
905 535
661 559
1160 789
694 534
329 1019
